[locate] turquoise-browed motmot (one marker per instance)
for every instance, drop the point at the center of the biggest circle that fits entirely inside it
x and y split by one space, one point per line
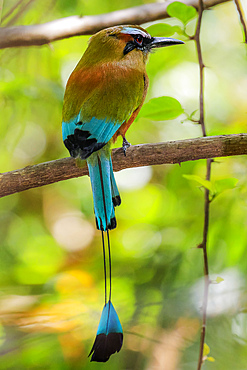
103 96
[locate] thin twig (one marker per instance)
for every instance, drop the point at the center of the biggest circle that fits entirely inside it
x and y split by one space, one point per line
201 67
203 245
241 16
206 272
59 29
137 156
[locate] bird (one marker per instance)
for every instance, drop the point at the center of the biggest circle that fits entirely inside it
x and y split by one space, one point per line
103 96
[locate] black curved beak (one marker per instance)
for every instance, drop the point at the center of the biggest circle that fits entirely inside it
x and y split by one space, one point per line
160 42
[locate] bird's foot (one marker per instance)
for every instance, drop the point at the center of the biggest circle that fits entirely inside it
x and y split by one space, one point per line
125 145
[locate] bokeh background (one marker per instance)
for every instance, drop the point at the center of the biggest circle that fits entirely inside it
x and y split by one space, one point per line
51 270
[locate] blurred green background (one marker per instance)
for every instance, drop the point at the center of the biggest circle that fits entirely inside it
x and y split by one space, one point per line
51 270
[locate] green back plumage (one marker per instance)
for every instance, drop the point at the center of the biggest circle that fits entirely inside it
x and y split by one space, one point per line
105 83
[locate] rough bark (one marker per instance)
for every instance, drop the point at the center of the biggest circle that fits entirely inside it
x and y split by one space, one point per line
138 155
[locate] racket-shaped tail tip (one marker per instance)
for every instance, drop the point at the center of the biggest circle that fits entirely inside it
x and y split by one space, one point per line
109 338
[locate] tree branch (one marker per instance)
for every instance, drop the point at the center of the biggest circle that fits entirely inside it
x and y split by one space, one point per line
242 20
138 155
41 34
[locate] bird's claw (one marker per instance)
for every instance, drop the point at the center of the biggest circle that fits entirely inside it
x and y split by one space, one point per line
125 145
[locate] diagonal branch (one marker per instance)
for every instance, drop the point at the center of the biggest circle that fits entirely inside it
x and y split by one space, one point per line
41 34
242 20
138 155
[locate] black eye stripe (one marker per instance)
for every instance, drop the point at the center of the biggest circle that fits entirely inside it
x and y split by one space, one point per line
140 42
139 39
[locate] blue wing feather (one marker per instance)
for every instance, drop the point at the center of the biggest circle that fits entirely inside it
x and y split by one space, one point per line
84 138
68 128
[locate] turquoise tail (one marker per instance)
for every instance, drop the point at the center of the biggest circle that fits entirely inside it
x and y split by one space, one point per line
115 193
109 337
104 188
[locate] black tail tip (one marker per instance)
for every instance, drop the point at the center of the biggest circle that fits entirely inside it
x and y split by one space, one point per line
106 345
110 226
116 200
113 224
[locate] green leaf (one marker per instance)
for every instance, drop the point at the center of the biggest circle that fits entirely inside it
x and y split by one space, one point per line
225 184
192 116
205 183
162 29
162 108
181 11
206 350
211 359
217 280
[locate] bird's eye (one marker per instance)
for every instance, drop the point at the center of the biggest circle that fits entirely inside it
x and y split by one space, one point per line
139 39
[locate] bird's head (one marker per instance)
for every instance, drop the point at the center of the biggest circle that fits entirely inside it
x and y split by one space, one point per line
116 43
